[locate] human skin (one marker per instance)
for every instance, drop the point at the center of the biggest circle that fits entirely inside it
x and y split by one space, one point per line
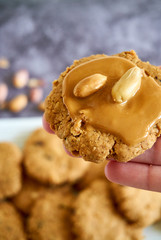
142 172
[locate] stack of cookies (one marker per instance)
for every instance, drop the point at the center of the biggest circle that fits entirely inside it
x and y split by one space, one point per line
45 194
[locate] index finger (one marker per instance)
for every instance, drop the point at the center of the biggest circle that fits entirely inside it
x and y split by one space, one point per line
151 156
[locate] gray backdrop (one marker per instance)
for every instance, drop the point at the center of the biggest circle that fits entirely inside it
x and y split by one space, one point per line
46 36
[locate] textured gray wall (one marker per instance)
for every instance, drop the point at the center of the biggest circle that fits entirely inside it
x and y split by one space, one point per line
46 36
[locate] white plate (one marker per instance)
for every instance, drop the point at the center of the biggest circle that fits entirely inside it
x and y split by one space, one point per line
17 129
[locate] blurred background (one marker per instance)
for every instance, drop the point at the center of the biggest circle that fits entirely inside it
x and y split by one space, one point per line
38 39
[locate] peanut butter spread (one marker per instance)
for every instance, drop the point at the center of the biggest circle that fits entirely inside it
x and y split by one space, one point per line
87 94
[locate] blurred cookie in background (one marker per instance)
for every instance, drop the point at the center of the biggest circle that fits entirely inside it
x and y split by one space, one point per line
30 192
46 160
136 205
95 216
50 217
10 169
11 224
95 171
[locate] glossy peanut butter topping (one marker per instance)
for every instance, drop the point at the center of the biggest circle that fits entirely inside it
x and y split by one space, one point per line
130 121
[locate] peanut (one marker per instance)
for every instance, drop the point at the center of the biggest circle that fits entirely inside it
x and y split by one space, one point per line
20 78
3 105
4 63
89 85
18 103
41 106
34 82
36 95
3 92
127 86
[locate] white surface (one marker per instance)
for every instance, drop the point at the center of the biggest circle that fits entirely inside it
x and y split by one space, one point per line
17 130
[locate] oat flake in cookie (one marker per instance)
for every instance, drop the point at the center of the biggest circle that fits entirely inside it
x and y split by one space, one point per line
103 106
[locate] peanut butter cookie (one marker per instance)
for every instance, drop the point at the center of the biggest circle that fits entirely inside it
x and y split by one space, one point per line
30 192
138 206
50 216
95 171
46 160
95 216
10 169
100 107
11 226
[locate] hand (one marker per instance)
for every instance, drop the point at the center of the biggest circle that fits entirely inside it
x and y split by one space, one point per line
49 130
46 126
142 172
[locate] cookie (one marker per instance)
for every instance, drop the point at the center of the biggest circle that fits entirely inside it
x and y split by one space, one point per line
95 171
10 169
47 161
11 226
30 192
95 216
96 122
50 216
138 206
